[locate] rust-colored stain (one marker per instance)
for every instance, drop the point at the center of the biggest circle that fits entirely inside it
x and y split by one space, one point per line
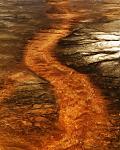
82 116
83 122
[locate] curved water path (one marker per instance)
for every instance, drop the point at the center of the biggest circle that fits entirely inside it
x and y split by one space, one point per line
83 115
83 121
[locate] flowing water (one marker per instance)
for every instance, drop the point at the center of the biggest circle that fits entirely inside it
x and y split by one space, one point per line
45 104
19 19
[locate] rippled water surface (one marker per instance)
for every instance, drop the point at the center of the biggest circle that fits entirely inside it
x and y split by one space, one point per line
19 19
92 47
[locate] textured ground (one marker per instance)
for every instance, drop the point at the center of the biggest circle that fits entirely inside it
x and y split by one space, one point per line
44 103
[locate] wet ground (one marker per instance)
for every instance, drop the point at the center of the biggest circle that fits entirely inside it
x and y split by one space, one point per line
92 47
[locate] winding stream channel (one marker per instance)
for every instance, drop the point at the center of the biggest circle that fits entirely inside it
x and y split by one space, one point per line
59 75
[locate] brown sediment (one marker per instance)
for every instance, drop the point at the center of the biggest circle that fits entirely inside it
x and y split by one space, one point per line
83 118
6 89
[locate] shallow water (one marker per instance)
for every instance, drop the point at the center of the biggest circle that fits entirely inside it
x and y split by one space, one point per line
95 27
19 19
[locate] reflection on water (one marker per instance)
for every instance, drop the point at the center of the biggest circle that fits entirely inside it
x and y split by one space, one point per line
94 48
18 21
